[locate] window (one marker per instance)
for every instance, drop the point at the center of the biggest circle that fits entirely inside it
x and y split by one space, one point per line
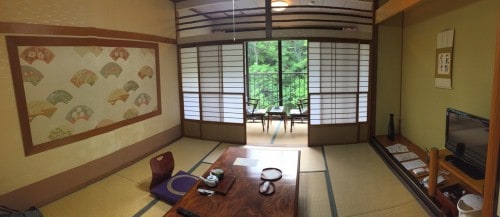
277 72
338 82
213 83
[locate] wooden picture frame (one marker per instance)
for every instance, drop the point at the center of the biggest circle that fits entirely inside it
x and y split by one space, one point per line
70 89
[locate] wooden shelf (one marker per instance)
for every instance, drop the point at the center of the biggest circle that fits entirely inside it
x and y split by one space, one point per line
379 143
453 176
475 184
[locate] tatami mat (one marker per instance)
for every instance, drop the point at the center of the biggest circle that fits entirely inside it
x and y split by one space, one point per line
217 152
157 210
313 195
255 135
411 209
277 136
201 169
127 192
184 159
112 196
311 158
298 137
362 184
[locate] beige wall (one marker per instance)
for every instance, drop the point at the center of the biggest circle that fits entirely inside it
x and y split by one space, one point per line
388 73
423 106
154 17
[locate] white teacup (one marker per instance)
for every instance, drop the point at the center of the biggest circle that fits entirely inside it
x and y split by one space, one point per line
218 172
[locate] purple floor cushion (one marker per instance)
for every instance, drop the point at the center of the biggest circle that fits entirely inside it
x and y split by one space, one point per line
172 190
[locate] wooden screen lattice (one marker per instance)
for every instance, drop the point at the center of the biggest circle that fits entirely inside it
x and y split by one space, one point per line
338 82
213 83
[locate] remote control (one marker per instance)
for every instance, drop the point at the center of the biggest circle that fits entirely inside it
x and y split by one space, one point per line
205 191
186 213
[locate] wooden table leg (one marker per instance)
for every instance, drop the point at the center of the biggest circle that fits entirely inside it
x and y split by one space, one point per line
263 122
284 120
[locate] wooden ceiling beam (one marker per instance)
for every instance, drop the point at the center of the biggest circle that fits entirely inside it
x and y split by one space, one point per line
186 4
392 7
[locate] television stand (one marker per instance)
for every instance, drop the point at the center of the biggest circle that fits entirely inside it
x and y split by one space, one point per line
468 169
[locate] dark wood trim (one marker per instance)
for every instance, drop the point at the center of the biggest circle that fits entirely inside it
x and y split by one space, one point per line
325 13
321 20
277 27
269 20
261 15
316 39
372 80
198 12
490 182
47 190
288 13
392 7
43 29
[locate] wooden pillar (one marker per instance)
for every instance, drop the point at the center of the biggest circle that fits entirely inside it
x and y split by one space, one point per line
433 171
490 181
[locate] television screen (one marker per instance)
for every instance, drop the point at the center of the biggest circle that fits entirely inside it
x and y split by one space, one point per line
467 137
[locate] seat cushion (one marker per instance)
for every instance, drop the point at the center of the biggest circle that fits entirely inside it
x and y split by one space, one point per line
172 190
294 112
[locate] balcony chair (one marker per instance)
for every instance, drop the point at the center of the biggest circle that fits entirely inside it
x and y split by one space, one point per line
254 113
300 112
163 185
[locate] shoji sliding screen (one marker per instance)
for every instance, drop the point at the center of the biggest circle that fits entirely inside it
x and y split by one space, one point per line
213 92
338 92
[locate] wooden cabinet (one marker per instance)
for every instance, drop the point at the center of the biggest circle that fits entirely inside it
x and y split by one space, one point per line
440 201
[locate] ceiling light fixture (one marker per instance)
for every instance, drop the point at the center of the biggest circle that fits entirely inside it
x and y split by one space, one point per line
279 5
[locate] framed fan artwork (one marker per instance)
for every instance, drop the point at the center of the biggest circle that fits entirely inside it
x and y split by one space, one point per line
70 89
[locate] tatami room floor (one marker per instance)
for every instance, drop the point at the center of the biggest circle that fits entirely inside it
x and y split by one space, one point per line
339 180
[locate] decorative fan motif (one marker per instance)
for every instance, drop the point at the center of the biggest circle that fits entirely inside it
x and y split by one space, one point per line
79 112
132 112
83 50
130 85
104 122
118 53
60 132
84 76
39 107
32 54
117 94
31 75
59 96
111 68
146 71
143 98
73 83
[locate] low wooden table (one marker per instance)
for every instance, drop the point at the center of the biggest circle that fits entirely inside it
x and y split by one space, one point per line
243 197
280 111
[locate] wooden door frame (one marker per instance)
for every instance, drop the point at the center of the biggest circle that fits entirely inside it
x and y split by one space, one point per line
490 182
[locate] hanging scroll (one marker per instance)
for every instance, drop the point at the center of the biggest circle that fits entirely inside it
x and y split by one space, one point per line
444 59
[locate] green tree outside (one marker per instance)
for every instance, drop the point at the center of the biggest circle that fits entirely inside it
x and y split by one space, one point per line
264 72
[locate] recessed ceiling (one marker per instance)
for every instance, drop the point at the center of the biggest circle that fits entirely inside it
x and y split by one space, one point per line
202 17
